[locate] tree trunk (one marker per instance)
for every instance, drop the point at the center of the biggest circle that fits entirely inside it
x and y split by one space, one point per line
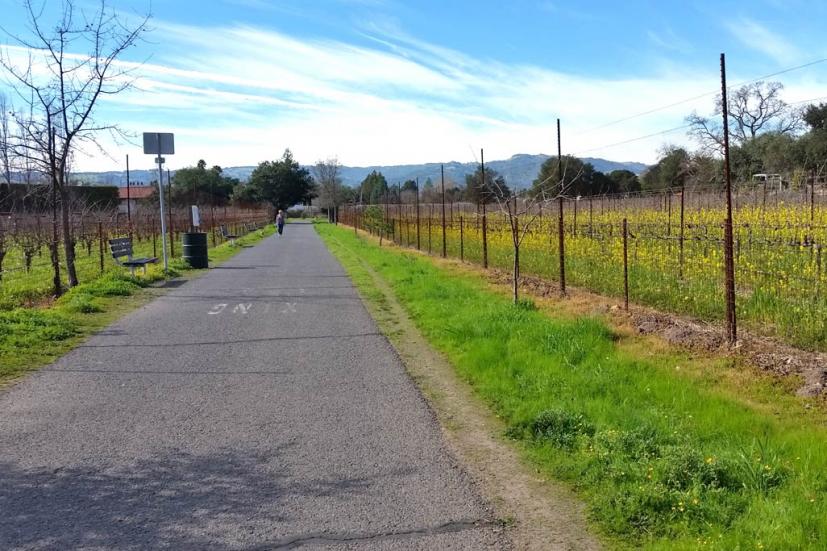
516 273
68 238
53 245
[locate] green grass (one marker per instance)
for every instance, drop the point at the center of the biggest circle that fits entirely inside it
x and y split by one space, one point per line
19 288
33 337
665 458
780 288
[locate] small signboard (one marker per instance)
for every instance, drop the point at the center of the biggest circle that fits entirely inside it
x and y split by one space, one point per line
196 217
159 143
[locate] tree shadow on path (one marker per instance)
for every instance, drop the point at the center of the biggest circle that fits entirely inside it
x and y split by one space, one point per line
225 500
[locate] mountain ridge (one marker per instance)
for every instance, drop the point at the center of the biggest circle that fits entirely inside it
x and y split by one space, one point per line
519 171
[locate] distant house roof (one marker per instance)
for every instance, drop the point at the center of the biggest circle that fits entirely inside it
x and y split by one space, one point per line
136 192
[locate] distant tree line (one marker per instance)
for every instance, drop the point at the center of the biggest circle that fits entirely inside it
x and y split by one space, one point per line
767 136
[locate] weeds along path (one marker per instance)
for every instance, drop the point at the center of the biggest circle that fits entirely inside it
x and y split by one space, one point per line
543 514
32 337
256 407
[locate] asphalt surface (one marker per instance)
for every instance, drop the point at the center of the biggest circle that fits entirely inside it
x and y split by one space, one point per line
256 407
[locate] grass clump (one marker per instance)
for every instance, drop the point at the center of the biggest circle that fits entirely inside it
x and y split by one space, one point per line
664 458
23 328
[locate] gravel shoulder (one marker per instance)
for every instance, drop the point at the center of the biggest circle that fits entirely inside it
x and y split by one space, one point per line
540 513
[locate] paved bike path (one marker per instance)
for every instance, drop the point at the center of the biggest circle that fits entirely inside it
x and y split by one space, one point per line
256 407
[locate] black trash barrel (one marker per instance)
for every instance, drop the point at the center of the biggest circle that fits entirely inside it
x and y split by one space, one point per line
195 249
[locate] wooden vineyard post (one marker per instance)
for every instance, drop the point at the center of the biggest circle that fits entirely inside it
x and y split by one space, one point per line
680 238
812 199
444 241
484 237
729 261
430 217
100 241
591 218
625 265
461 240
561 238
484 218
574 225
418 240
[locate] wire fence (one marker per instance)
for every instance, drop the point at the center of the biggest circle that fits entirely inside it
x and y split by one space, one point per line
27 238
664 249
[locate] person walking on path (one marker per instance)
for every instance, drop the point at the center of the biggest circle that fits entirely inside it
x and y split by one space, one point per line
280 222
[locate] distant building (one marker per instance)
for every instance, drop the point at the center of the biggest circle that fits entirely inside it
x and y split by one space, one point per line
133 195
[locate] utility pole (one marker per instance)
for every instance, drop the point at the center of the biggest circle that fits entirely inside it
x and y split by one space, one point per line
160 162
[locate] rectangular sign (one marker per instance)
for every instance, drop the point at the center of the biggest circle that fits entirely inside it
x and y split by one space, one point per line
159 143
196 217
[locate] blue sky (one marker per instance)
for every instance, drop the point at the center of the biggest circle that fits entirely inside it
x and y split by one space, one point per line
392 82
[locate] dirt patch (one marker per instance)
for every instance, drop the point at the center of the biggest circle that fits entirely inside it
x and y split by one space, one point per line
541 513
763 353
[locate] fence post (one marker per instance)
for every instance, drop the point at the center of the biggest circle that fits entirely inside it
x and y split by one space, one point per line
444 242
680 239
561 239
418 247
430 216
591 218
461 240
484 237
561 246
729 261
625 265
100 240
574 226
812 198
484 218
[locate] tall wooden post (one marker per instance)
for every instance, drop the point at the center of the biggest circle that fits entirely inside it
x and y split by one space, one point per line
729 261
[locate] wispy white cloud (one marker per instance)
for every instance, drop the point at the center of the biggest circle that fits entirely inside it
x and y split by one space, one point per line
666 38
761 38
238 94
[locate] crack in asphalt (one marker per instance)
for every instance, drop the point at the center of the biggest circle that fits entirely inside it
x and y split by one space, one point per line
323 538
226 342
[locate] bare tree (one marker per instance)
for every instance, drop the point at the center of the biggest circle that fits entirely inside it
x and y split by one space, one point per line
327 174
67 68
754 109
523 208
6 151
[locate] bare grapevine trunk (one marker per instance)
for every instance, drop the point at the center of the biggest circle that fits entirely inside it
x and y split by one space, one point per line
68 238
516 273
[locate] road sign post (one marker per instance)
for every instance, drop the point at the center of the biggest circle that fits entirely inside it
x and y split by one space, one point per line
157 143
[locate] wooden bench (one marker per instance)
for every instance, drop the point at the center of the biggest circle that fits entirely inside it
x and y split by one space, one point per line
121 248
226 235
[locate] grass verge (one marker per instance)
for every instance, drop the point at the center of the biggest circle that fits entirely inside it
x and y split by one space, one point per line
665 458
33 337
